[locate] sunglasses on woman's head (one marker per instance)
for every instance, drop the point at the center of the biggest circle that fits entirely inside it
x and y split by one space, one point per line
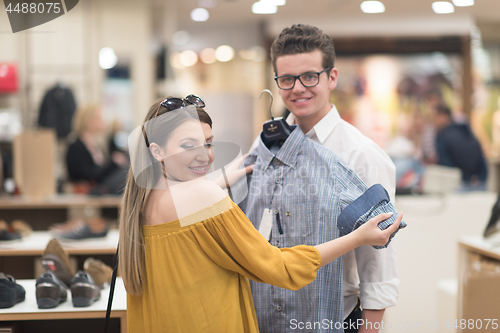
174 103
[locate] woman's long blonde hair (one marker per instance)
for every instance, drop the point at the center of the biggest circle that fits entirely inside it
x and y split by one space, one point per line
131 250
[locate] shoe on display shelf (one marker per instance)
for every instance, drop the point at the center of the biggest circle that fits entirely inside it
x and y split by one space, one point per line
95 228
58 228
100 272
84 292
7 233
56 260
21 227
11 293
50 292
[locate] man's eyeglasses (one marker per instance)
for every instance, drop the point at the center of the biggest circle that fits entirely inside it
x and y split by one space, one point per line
174 103
308 80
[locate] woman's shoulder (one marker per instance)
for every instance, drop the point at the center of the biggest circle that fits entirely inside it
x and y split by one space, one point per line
196 195
206 191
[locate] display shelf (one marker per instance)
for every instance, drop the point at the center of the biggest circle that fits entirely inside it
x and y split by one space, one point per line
41 212
29 311
36 242
59 201
19 258
480 245
478 286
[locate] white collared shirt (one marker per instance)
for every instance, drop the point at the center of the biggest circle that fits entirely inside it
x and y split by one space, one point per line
367 272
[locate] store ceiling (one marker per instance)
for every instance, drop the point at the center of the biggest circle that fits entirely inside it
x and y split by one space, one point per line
342 17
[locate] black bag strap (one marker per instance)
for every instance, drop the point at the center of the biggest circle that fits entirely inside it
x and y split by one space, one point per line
111 291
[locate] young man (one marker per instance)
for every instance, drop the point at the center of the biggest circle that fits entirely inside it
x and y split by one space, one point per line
303 61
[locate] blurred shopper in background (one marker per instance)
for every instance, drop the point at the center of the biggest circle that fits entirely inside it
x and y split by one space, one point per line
87 159
457 147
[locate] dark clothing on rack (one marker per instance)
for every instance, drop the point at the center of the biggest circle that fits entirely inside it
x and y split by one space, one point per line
457 147
108 178
57 109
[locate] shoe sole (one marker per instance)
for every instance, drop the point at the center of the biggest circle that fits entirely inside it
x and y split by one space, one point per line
47 303
83 294
47 296
9 303
54 264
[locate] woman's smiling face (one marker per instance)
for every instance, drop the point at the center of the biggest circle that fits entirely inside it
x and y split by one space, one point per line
188 154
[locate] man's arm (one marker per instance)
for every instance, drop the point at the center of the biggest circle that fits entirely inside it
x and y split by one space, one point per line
377 269
370 317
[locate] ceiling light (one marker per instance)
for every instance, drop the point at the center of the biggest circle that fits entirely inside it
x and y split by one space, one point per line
107 58
372 7
188 58
199 14
264 8
224 53
207 56
463 3
443 7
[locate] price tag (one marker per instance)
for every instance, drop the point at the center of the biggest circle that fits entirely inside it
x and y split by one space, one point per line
266 224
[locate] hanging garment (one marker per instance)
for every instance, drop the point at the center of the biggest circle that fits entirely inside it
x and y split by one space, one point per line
305 187
57 109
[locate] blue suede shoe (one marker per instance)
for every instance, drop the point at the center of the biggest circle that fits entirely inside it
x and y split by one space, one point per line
11 293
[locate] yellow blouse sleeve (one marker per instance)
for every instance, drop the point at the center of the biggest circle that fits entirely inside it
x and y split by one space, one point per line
232 242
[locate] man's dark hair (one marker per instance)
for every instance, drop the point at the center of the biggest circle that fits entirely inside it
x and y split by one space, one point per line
302 38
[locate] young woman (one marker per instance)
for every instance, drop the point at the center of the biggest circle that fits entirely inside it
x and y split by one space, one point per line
187 251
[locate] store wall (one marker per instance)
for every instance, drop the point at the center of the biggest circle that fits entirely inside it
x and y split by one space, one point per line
66 50
231 89
126 27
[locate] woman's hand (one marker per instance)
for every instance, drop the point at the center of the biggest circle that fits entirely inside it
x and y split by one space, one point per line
367 234
234 173
370 234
